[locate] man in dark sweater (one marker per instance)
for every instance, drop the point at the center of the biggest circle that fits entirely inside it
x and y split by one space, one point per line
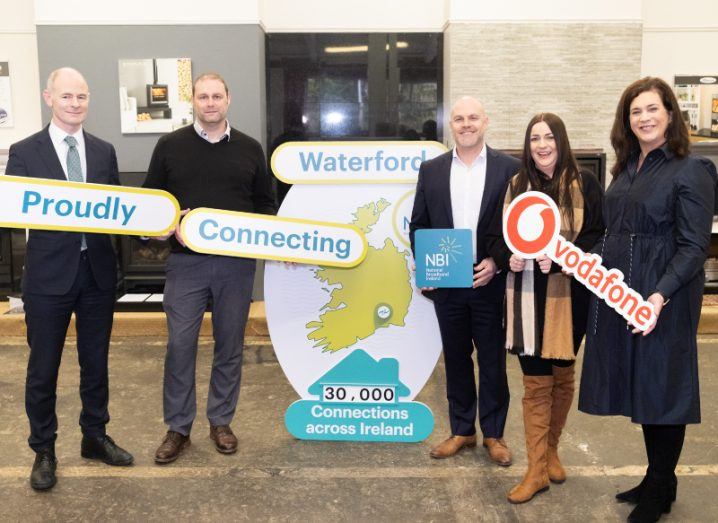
212 165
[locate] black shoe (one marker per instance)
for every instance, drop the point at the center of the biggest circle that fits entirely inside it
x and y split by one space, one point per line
649 511
105 450
42 476
634 495
654 502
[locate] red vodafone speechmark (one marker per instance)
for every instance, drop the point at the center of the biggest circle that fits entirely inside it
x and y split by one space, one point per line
515 237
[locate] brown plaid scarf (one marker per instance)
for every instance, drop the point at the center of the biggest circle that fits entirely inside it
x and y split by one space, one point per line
522 328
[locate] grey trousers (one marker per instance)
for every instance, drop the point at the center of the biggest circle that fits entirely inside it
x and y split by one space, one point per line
191 280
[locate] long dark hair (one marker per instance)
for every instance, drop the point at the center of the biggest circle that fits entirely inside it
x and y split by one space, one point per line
566 171
625 143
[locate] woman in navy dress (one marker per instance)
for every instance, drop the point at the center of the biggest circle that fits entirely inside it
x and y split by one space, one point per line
658 212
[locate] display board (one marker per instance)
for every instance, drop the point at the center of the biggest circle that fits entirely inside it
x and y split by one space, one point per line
356 344
6 113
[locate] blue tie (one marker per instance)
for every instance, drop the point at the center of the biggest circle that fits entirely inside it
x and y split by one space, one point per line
74 169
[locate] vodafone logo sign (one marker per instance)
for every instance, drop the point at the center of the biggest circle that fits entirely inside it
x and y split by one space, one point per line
532 226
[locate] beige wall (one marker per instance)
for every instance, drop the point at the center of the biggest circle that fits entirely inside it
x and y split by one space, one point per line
352 15
548 10
576 70
18 46
679 40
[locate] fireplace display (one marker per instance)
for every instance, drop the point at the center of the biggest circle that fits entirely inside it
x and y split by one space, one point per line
143 264
155 94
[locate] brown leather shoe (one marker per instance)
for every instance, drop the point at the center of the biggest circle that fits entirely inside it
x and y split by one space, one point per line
452 445
498 451
171 447
224 439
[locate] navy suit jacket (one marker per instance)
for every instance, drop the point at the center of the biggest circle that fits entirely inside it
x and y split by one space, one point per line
53 257
432 206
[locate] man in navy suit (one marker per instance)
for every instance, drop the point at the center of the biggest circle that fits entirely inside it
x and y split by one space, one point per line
67 272
461 189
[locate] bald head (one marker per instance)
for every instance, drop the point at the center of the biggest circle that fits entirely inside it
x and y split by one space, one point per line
68 97
468 125
468 103
64 73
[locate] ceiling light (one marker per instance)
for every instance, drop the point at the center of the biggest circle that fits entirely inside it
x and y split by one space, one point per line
359 48
347 49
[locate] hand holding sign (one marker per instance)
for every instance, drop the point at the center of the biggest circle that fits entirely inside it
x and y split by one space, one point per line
516 263
655 299
176 231
544 263
172 232
422 289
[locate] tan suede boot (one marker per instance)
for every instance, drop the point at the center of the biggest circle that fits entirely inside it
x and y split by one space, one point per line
537 419
563 388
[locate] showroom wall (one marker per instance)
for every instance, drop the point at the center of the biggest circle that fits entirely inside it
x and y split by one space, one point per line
575 62
333 16
679 41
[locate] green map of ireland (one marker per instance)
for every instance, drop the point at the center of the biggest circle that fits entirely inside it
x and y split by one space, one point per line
373 295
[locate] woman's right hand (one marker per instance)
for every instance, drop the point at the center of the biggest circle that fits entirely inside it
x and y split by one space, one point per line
516 263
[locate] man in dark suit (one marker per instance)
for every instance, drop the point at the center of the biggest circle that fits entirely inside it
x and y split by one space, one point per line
461 189
67 272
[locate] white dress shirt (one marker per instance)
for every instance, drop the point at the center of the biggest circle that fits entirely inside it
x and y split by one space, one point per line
57 136
198 129
467 191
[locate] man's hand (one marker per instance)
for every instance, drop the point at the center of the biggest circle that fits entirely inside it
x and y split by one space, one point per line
164 237
178 234
544 263
422 289
175 231
516 263
656 299
483 272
